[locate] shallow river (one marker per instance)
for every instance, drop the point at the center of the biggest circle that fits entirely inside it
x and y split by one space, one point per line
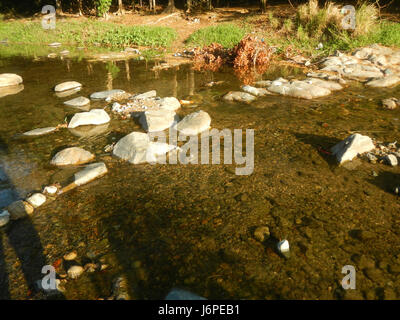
191 226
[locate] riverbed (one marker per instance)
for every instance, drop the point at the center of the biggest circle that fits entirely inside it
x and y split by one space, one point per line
192 226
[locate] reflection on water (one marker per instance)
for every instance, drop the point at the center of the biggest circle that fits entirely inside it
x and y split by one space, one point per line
164 226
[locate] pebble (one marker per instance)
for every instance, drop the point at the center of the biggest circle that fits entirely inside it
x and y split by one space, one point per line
70 256
283 248
262 233
390 103
75 271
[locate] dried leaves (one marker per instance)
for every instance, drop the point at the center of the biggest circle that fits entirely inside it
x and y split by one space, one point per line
250 57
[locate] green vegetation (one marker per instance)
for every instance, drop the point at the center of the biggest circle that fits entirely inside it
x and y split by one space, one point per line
138 35
87 33
228 35
102 7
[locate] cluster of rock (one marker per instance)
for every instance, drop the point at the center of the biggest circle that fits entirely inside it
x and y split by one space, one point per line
377 66
308 88
374 151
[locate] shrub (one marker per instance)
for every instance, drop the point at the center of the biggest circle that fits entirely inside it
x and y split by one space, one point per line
102 7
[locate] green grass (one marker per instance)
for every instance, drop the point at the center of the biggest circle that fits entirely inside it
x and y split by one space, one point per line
87 33
138 35
228 35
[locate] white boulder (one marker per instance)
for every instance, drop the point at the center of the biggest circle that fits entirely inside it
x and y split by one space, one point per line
72 156
352 146
91 172
194 123
10 79
68 85
92 117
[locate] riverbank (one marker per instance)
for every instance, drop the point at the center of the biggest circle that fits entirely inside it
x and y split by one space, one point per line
169 34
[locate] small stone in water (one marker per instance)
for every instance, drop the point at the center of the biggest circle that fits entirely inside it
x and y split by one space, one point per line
283 248
262 233
36 200
391 160
50 189
70 256
75 271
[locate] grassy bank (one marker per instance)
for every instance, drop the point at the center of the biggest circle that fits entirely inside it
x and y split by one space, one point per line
87 33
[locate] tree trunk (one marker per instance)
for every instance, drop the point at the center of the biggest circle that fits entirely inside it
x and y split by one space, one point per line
120 7
80 8
58 7
171 7
263 6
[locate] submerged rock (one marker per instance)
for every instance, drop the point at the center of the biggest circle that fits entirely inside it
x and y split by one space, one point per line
180 294
75 271
39 131
68 85
19 209
239 96
68 93
77 102
70 256
158 120
72 156
390 103
10 90
259 92
10 79
91 172
103 95
352 146
194 123
4 218
93 117
36 200
283 248
299 89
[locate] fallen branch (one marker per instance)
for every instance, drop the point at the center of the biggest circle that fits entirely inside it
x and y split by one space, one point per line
163 18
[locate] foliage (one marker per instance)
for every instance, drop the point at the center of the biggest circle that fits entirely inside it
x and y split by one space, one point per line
211 57
102 7
227 35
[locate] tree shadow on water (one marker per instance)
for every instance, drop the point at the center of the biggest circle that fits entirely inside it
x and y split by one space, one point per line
22 236
152 249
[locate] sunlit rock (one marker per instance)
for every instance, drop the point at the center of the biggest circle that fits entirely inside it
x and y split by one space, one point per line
36 200
158 120
77 102
239 96
10 79
91 172
72 156
352 146
194 123
93 117
68 85
39 131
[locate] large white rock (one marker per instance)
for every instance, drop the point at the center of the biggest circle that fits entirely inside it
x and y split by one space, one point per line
158 120
388 81
39 131
170 103
72 156
194 123
91 172
137 148
352 146
330 85
77 102
68 85
93 117
36 200
132 147
145 95
102 95
10 79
